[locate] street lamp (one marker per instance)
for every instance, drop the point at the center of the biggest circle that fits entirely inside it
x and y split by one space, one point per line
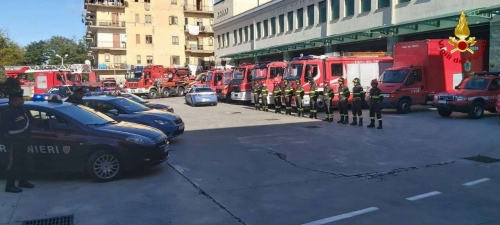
62 58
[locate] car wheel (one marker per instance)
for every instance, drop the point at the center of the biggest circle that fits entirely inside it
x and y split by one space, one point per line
104 166
476 110
403 106
166 92
444 112
153 94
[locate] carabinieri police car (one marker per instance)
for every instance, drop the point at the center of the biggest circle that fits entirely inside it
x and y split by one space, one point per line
68 137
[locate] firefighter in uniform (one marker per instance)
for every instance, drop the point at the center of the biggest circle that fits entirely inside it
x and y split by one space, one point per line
374 101
328 95
299 95
277 97
343 104
264 92
256 93
15 125
357 102
313 99
76 97
288 92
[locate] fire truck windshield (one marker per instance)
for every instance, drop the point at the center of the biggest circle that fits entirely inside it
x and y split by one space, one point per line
394 76
239 74
226 79
259 74
475 84
134 76
71 77
293 72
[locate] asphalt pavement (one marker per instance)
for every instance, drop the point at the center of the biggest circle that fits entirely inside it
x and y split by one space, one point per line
235 165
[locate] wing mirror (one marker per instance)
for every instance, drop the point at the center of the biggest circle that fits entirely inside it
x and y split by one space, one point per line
457 87
113 111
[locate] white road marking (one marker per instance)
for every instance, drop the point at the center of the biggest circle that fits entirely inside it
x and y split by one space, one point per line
476 182
342 216
423 195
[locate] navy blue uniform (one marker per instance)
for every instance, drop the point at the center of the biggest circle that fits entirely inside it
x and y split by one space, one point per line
74 100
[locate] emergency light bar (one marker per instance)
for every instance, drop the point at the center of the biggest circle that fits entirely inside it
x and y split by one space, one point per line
39 98
484 73
48 98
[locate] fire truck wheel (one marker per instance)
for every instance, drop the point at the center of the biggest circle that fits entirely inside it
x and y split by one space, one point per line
165 93
404 106
476 110
444 112
180 92
321 105
153 94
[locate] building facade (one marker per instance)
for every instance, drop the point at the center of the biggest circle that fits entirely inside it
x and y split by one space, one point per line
124 34
283 29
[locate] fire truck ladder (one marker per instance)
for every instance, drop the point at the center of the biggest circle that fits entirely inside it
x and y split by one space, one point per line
76 68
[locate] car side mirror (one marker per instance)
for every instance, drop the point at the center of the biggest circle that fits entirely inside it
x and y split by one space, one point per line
113 111
457 87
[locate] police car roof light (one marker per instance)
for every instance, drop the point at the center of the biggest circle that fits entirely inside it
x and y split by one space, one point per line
490 73
38 98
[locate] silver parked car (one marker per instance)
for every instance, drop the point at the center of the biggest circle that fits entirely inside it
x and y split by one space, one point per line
201 95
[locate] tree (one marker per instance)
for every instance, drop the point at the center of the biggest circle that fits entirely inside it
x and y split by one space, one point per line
36 53
11 54
76 50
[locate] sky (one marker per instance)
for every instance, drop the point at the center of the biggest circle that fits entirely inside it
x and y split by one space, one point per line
27 21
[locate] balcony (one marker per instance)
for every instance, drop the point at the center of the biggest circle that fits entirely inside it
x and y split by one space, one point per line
109 24
108 45
200 49
199 9
203 29
91 4
111 66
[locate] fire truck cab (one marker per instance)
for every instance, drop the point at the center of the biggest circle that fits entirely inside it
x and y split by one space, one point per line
223 89
241 84
268 73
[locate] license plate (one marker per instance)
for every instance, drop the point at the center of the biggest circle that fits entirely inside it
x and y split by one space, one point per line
181 127
442 102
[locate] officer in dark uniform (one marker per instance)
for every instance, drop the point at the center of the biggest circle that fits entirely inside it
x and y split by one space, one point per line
357 104
328 95
277 97
15 124
313 99
288 92
264 92
343 104
299 96
76 97
374 100
256 93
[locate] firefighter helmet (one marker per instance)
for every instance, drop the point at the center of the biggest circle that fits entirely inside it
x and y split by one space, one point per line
356 80
341 80
374 81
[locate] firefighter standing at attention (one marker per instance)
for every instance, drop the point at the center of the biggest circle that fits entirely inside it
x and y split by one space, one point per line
288 92
256 93
313 99
264 92
374 102
277 97
328 95
299 95
357 102
343 96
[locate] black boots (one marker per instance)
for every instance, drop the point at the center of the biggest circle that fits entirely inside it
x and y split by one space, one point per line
346 120
379 124
341 119
313 115
354 121
372 124
25 184
360 123
11 187
331 118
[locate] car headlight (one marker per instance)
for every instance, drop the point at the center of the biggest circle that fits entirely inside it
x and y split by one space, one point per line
140 140
460 98
163 122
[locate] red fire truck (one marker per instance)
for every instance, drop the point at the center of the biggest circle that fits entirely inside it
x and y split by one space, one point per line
425 68
153 80
241 84
268 73
223 89
363 65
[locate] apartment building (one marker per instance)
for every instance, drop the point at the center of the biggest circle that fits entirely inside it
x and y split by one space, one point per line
124 34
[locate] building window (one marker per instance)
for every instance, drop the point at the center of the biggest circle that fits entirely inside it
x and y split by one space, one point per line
266 28
310 15
246 34
218 41
366 5
137 20
300 18
223 40
240 33
289 17
273 26
149 59
335 9
251 32
187 59
148 19
175 40
138 59
349 7
173 20
235 37
173 2
149 39
403 1
227 38
210 41
322 11
137 38
106 57
259 31
176 60
147 1
384 3
281 21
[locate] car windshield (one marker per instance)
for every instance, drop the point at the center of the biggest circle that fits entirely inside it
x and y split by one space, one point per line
227 78
109 84
129 105
238 74
85 115
203 90
198 78
475 84
259 74
134 98
394 76
293 72
54 90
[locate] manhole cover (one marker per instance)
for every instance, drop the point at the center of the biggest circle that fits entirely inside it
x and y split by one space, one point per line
311 127
271 119
61 220
235 112
483 159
